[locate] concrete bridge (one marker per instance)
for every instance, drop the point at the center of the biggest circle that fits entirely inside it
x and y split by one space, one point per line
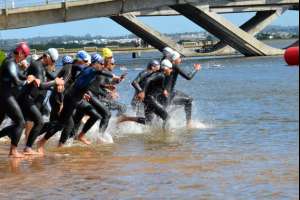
28 13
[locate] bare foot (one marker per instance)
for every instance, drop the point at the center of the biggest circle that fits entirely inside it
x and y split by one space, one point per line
41 147
30 151
81 138
190 125
13 153
60 145
16 154
123 119
85 119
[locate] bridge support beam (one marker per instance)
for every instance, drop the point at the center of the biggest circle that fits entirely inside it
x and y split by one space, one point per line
232 35
255 25
148 34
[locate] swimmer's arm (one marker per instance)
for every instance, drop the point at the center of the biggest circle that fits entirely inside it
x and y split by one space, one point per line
103 92
188 76
155 77
106 74
50 76
136 83
47 85
13 72
65 73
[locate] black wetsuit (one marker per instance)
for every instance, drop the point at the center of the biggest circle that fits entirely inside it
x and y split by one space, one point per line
179 98
72 98
138 84
69 73
112 104
56 98
10 81
154 99
95 109
31 99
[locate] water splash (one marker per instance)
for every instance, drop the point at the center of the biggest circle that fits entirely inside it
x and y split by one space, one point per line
176 125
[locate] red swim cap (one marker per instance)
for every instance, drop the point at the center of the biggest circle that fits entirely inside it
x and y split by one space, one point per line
24 48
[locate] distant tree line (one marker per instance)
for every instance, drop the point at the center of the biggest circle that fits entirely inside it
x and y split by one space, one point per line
75 45
268 36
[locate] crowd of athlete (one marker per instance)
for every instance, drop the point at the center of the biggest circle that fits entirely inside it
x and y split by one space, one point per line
84 86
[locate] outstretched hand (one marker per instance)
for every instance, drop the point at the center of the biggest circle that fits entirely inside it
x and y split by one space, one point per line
123 76
166 93
87 97
37 82
114 95
117 79
30 79
111 87
59 81
197 67
60 88
141 96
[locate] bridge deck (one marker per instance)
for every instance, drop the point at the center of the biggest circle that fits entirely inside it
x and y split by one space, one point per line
9 4
28 13
227 5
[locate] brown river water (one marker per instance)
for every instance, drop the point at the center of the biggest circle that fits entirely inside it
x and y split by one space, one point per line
245 145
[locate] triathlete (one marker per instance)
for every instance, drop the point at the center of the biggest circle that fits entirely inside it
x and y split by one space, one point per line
56 98
177 97
81 61
153 96
110 94
9 81
139 82
31 99
93 108
73 97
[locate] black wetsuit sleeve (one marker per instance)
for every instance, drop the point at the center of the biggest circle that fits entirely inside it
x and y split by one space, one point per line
166 85
22 76
184 74
138 80
50 76
154 77
103 92
105 73
47 85
137 86
13 72
65 73
37 71
102 84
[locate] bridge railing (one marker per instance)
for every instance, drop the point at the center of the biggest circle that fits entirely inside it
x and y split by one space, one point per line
8 4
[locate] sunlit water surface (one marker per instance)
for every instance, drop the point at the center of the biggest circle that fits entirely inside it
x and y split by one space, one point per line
245 144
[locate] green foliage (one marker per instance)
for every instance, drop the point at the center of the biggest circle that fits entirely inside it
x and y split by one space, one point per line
2 57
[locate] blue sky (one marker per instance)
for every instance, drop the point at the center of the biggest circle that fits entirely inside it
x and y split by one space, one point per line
106 27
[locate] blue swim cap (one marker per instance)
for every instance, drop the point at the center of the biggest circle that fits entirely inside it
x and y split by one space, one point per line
83 56
96 58
153 63
67 60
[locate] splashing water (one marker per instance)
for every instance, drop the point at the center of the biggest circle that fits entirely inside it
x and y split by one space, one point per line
176 125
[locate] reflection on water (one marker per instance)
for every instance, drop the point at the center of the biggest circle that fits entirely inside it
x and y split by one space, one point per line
245 145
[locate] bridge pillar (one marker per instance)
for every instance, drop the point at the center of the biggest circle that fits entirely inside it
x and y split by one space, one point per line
148 34
232 35
253 26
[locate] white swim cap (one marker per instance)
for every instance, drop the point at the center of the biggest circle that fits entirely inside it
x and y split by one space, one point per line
168 52
166 64
175 56
53 53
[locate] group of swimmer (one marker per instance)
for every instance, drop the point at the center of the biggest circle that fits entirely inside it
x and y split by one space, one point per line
84 86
